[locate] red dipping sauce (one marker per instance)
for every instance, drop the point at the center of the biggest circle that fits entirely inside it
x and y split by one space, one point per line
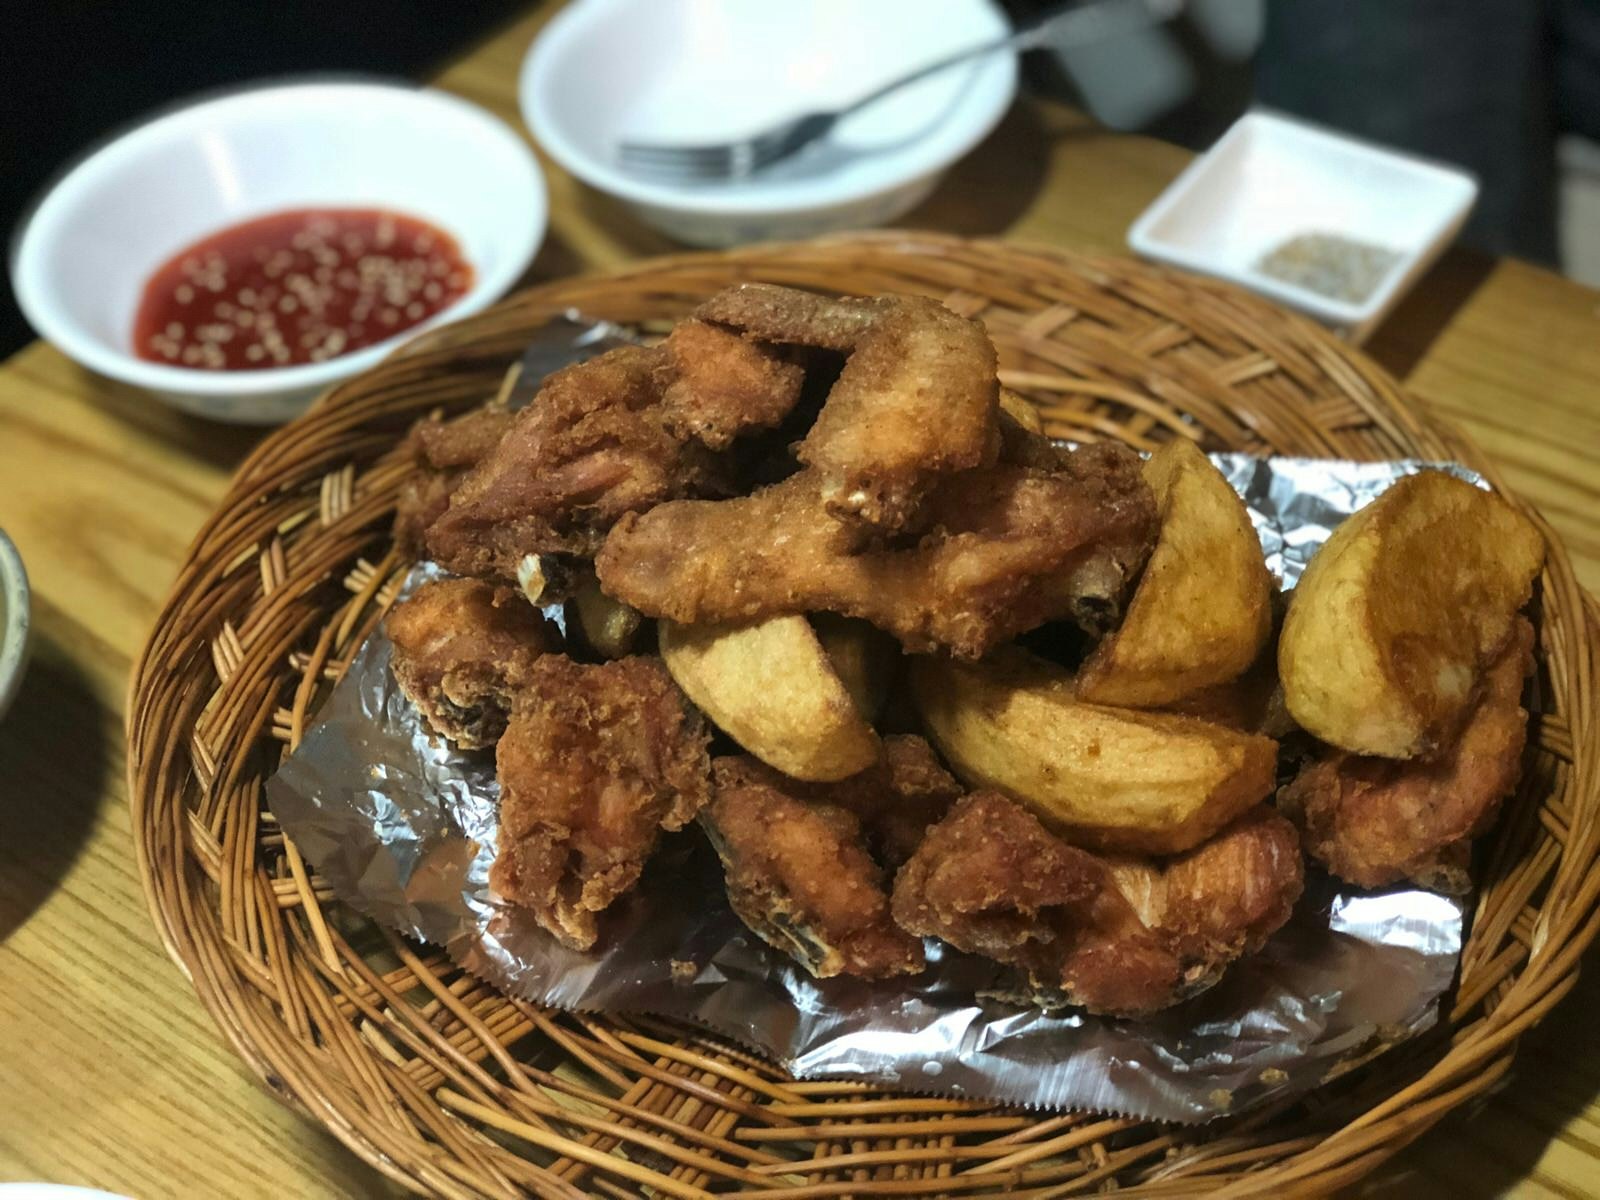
297 287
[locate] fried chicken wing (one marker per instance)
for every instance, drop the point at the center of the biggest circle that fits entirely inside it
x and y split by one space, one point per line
918 397
595 762
459 645
589 447
799 875
1119 936
899 799
991 880
716 387
1007 549
617 434
896 799
1375 821
443 450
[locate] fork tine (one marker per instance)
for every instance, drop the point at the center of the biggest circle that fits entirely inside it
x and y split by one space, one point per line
693 163
675 153
678 170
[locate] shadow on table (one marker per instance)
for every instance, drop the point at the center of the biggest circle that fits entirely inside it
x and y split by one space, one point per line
55 753
215 443
1490 1147
988 190
1408 332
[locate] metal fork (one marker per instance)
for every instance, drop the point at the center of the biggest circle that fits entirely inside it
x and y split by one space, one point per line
1079 24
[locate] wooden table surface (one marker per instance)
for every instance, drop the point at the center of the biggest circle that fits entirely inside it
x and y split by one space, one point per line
111 1075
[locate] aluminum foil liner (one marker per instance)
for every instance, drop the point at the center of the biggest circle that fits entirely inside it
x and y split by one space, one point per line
404 828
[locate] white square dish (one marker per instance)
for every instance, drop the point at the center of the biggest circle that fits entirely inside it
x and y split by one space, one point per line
1270 179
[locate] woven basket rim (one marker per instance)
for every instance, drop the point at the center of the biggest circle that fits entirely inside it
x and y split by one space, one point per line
1481 1050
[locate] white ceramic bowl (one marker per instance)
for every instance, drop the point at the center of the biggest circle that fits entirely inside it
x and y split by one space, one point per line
690 71
1269 179
14 620
83 257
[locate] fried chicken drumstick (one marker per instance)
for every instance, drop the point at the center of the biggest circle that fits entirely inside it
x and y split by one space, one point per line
460 646
595 763
1116 936
1007 549
1375 821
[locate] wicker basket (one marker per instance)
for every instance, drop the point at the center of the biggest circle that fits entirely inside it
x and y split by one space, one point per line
454 1089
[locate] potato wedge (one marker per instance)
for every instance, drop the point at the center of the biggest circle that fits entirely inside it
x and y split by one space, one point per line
771 686
863 657
1396 616
1021 410
605 627
1202 609
1105 778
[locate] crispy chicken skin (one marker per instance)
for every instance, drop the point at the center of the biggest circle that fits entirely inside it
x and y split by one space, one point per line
1117 936
896 799
917 399
1375 821
1224 898
443 450
1007 548
459 647
591 446
991 880
799 875
595 763
614 435
716 387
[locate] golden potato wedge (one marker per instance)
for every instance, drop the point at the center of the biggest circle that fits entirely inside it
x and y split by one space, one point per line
1396 616
1202 609
1021 410
608 628
1106 778
863 657
771 687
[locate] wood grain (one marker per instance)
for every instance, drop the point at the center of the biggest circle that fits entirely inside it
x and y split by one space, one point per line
128 1087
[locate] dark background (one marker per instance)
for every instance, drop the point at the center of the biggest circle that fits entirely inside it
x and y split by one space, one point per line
1487 84
73 71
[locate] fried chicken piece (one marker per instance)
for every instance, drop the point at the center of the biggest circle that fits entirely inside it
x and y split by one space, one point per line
1094 591
1226 897
771 313
617 434
917 399
1375 821
459 645
595 763
991 880
1118 936
589 447
896 799
900 798
1007 549
443 451
716 387
799 875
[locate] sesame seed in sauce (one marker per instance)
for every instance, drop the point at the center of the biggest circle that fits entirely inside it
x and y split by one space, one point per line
298 287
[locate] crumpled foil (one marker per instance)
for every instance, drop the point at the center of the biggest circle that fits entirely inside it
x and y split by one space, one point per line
403 827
